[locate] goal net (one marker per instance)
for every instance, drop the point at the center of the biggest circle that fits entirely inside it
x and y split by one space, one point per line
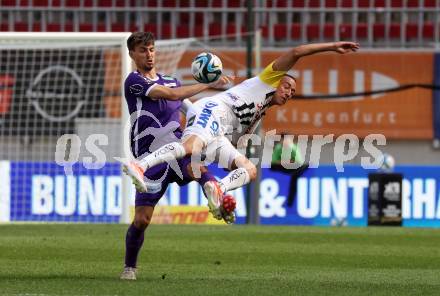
61 123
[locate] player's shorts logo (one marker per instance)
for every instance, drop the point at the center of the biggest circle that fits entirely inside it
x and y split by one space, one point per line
154 187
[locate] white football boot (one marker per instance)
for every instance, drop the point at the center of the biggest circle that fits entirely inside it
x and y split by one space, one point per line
135 172
129 273
214 195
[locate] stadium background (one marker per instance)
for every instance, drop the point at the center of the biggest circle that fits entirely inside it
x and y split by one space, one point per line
399 42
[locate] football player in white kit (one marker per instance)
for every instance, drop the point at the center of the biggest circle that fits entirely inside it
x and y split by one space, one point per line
212 121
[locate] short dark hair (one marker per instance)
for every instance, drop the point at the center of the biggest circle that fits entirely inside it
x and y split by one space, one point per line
144 38
291 76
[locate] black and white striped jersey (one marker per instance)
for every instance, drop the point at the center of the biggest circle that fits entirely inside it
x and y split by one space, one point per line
250 99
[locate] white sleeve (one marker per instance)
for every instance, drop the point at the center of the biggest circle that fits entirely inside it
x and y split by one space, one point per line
149 89
185 106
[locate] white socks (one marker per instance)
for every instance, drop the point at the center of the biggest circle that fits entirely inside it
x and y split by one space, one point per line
234 179
166 153
173 151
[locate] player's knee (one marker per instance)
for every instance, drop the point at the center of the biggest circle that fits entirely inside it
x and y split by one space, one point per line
194 145
252 171
142 222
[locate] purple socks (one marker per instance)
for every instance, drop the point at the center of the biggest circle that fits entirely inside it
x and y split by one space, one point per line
133 243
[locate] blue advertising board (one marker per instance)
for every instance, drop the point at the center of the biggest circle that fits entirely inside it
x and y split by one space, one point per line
85 196
325 196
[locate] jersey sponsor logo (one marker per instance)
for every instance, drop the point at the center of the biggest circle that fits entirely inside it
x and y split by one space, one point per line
206 113
233 97
210 105
136 89
172 84
204 117
166 77
214 128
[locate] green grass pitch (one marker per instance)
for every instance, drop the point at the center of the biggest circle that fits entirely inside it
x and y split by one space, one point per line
63 259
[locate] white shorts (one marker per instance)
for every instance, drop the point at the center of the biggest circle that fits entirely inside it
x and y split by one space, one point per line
209 120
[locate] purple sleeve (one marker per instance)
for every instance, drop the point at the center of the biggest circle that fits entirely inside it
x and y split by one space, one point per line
139 86
178 83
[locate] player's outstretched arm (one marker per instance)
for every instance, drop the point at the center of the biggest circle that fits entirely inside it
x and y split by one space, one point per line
183 92
288 60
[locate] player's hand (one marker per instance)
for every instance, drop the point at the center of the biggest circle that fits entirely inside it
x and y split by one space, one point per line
222 82
345 47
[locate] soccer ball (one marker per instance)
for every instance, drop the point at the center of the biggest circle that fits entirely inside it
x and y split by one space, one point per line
206 67
388 163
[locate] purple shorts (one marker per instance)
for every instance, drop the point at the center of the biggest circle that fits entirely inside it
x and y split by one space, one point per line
168 176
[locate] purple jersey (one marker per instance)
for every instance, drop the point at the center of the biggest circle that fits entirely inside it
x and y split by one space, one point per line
154 122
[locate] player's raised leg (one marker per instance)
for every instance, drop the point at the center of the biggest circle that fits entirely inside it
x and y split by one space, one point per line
245 173
135 172
169 153
214 195
242 170
210 187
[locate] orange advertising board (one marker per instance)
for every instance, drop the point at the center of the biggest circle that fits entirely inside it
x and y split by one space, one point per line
181 214
398 115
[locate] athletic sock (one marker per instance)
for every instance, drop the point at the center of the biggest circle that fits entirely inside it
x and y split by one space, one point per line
165 153
133 243
234 179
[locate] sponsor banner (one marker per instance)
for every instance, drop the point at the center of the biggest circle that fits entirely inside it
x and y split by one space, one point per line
5 193
33 102
327 197
398 115
42 192
183 215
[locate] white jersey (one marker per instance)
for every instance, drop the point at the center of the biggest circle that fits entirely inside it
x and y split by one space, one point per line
234 112
250 99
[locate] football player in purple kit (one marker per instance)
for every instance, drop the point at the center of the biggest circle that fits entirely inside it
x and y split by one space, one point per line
154 101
